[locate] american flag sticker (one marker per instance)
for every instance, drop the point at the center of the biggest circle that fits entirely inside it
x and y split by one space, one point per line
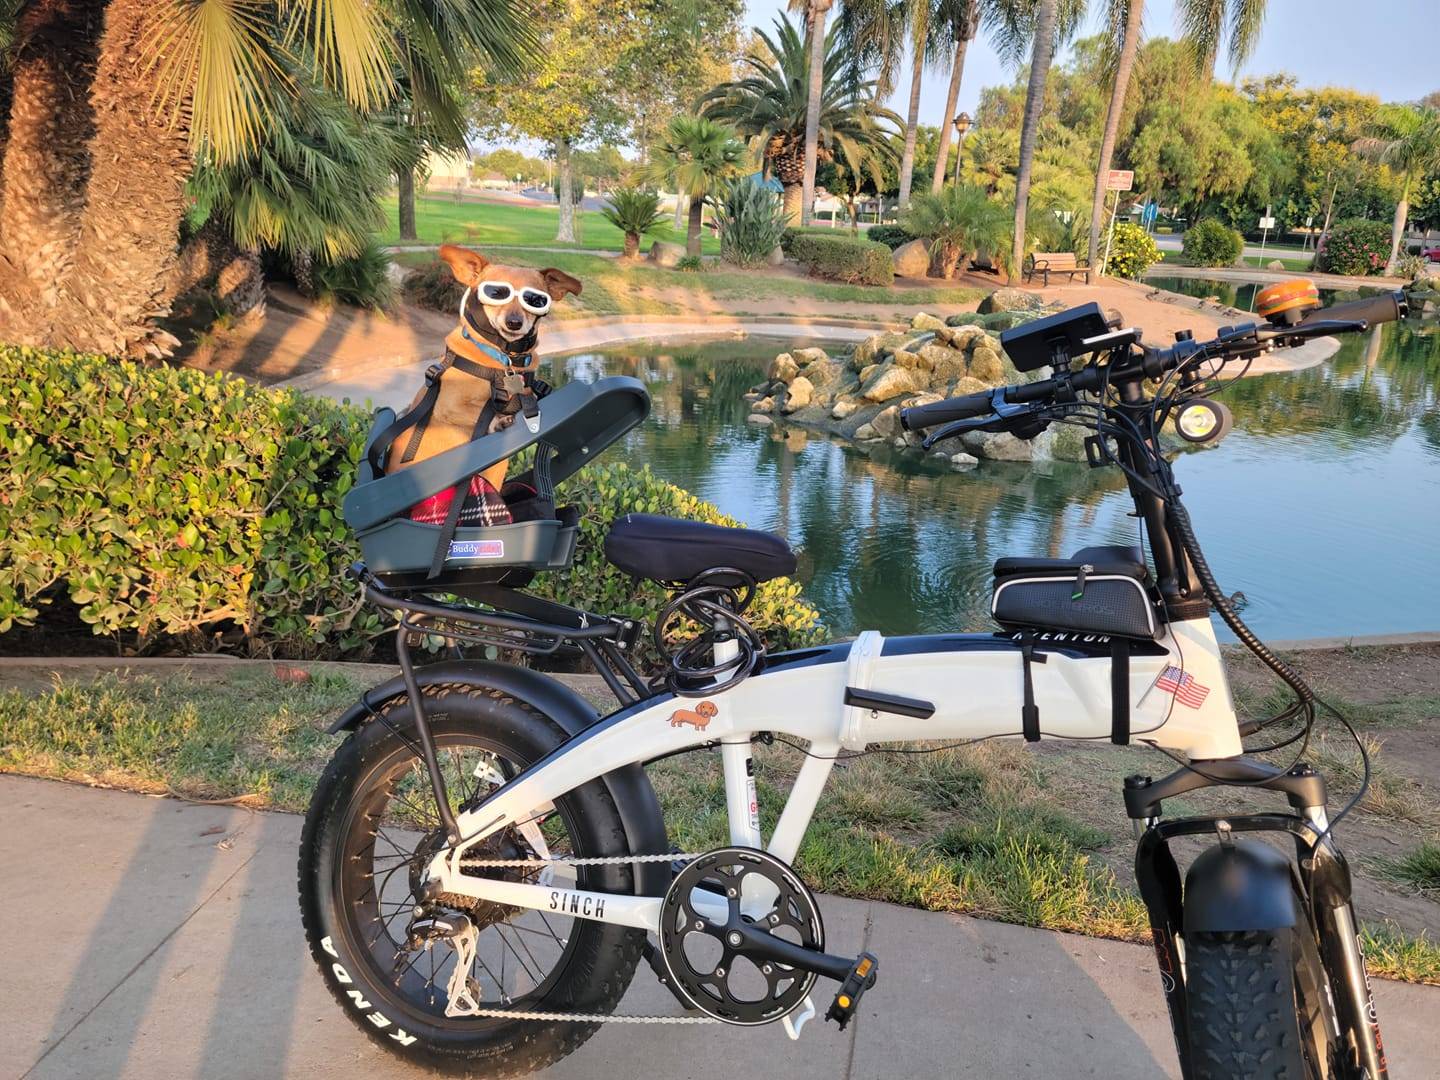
1187 691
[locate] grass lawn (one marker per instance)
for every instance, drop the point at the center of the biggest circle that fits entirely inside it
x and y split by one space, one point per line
643 288
440 219
995 830
1299 262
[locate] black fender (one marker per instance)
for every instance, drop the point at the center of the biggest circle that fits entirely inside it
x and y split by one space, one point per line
1244 885
629 787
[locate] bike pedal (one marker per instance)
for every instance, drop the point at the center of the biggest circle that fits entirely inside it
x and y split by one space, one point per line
847 998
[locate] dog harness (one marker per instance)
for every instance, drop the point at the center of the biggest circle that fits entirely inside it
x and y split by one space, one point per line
509 369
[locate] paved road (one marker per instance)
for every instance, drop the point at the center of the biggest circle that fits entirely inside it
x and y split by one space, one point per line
153 938
1174 242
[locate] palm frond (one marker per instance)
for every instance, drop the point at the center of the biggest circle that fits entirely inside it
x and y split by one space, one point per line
351 43
219 58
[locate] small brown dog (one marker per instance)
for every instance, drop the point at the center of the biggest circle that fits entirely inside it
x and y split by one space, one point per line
489 368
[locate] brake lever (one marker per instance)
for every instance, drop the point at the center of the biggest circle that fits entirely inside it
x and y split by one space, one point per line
959 427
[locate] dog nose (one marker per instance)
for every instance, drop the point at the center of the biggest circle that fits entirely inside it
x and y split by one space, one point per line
514 322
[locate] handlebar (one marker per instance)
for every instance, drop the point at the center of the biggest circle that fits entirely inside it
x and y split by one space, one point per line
1230 343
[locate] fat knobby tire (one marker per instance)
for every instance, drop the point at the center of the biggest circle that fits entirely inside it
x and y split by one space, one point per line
1240 989
599 968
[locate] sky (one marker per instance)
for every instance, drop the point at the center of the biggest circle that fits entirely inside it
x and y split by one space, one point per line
1390 48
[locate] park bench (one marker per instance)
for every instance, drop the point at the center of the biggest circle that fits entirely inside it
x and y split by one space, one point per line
1046 263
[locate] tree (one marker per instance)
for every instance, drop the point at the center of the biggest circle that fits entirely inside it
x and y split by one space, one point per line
815 13
633 212
107 104
1125 19
769 104
1207 23
1407 139
1042 34
565 95
696 155
960 20
960 220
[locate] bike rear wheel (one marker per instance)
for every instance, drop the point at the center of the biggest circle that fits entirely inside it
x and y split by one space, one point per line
1257 1007
373 826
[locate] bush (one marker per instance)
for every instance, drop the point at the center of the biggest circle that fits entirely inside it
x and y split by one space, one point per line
892 236
634 213
1132 251
752 221
787 238
1210 243
362 280
959 220
433 286
167 503
690 264
1355 246
841 258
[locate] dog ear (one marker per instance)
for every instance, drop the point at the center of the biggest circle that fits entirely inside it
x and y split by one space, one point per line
466 265
560 284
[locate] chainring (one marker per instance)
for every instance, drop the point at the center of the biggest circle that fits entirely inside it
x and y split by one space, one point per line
753 887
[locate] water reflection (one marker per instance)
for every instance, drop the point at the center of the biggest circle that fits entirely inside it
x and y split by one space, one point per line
1323 506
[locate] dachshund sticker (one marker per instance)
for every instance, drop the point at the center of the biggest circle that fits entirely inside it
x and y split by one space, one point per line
699 718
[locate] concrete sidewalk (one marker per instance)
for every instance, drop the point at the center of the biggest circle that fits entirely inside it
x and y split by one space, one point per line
154 938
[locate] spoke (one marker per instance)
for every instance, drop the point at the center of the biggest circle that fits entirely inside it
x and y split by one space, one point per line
499 928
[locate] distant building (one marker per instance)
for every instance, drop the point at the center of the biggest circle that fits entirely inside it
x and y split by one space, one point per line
490 180
448 171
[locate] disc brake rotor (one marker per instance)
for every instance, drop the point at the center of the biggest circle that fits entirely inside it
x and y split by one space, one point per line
706 901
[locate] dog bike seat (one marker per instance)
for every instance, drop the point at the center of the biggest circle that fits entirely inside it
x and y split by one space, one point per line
669 549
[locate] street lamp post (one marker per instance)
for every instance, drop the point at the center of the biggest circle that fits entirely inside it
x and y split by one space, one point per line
962 128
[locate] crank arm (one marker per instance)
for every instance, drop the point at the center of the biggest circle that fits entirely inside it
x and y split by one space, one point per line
755 944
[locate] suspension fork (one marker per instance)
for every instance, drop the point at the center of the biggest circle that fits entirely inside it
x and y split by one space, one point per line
1158 877
1327 882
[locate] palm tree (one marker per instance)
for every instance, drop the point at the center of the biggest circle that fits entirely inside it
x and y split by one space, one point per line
819 58
959 220
633 212
1125 18
696 154
1206 23
1042 25
958 22
1406 138
109 102
770 105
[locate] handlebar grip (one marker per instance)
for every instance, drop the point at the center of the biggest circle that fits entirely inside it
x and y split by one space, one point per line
1383 307
918 417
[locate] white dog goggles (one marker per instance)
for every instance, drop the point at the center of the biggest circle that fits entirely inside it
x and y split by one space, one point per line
496 293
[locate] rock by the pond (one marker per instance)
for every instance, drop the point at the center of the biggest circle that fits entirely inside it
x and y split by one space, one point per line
663 253
1003 446
968 384
962 337
759 420
925 321
809 356
865 433
911 260
753 395
886 423
776 256
843 409
963 460
906 359
985 365
873 348
944 365
764 405
888 381
1010 299
800 394
783 368
829 377
1275 264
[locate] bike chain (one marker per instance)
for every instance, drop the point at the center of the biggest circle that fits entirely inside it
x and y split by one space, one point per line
587 1018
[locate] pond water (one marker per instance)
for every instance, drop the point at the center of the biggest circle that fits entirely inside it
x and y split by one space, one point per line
1322 506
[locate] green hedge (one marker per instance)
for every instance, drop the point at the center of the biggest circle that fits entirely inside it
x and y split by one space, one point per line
892 236
840 258
1357 247
167 503
1212 244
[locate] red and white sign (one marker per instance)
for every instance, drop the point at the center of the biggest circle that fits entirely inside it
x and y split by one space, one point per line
1120 180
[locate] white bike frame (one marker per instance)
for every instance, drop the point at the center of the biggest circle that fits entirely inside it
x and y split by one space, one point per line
973 681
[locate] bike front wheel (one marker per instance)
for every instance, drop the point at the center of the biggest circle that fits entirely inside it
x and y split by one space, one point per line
373 827
1256 1007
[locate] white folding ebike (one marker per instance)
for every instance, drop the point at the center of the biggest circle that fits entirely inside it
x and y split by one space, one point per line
485 863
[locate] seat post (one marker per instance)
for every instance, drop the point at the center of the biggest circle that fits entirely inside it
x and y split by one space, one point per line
740 800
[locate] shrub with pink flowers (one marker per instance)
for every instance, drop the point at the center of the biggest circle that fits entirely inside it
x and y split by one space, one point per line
1355 246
